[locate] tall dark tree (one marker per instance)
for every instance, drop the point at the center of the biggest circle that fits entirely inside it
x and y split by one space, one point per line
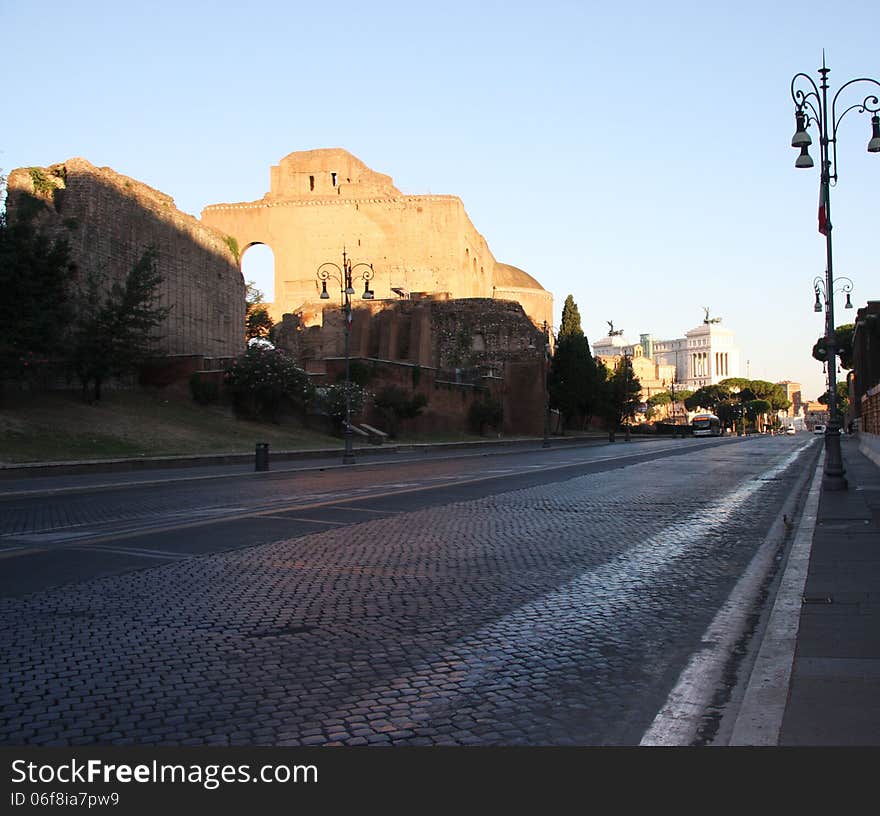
571 319
114 332
35 305
573 379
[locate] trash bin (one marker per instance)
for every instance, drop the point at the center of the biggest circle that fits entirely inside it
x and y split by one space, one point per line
262 458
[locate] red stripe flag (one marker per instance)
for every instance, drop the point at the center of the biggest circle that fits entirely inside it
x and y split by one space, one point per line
823 209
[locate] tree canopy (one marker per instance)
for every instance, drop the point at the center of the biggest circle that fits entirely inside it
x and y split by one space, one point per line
707 398
842 345
258 322
35 308
622 393
663 398
114 331
573 380
842 397
571 319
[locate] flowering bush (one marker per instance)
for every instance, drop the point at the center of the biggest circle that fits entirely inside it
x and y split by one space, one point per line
331 400
265 379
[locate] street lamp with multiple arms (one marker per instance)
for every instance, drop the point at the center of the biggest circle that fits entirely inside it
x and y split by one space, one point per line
345 276
811 108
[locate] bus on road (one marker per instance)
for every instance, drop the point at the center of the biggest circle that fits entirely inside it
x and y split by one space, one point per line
706 425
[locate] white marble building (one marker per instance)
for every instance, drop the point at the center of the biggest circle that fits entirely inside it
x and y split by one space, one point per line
706 354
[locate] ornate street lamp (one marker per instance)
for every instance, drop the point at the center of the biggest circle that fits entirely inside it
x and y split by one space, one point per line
811 108
345 276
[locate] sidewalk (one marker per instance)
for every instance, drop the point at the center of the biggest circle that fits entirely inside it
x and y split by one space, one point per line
834 693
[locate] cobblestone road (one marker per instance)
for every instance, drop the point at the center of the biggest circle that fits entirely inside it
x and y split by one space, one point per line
558 614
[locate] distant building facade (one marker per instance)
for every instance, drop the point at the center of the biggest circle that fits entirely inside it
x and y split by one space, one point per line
793 394
815 413
706 355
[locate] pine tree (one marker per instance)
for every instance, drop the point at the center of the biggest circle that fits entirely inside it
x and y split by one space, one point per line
113 333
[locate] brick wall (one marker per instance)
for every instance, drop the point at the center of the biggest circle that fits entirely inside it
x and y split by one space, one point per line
109 220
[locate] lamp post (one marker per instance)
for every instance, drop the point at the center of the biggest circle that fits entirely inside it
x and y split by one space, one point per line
811 107
842 285
345 276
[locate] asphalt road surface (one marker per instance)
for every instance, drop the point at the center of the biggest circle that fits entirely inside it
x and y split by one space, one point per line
543 597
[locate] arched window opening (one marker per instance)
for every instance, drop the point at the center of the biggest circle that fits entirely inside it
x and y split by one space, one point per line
258 267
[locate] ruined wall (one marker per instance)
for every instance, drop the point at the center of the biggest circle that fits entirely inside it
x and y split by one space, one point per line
324 201
482 332
109 219
442 334
454 352
519 387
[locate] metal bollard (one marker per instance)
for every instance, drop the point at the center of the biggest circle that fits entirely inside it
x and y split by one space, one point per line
262 456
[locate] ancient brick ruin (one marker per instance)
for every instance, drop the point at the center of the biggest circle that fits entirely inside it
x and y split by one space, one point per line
454 352
444 306
323 201
109 219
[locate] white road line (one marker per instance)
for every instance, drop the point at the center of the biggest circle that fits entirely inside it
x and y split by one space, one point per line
366 510
678 721
142 553
552 623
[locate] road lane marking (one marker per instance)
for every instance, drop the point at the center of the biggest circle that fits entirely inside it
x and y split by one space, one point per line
368 510
759 719
679 721
507 649
141 552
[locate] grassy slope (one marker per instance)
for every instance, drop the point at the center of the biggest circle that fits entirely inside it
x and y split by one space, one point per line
59 426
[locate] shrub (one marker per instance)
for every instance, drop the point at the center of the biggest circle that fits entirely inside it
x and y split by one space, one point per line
395 405
485 413
331 400
203 391
264 380
358 372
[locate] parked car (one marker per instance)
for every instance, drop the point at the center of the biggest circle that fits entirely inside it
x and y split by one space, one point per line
818 429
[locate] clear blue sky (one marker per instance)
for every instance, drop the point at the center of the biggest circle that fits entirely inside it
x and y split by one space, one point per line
635 155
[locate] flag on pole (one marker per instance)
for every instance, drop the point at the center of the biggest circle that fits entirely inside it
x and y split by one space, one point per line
823 209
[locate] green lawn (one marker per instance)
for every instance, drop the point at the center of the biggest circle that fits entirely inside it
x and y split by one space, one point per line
59 426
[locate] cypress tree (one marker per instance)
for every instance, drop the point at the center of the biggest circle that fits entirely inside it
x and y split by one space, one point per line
573 375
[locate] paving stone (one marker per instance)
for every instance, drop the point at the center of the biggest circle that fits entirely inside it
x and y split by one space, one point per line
535 615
